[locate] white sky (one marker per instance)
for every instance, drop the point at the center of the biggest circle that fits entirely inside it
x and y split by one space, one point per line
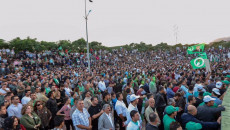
116 22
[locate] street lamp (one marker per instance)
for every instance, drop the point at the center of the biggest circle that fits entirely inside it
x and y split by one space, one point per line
87 42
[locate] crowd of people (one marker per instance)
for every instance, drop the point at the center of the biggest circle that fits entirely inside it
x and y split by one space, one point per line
152 90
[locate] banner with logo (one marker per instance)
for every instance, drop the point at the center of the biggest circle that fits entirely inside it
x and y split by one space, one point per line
196 49
203 55
198 62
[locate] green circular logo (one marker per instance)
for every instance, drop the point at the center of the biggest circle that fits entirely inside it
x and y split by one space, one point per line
190 48
199 62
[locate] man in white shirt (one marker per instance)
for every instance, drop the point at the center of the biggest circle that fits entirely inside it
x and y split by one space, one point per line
26 98
67 90
121 110
132 106
101 85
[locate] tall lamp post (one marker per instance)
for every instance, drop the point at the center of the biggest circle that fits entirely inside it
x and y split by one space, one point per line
87 41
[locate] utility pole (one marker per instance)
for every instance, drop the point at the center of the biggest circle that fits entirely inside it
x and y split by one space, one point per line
87 37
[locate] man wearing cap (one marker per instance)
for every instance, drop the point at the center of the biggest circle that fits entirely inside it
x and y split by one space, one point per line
132 106
226 82
199 88
206 112
224 87
197 85
190 116
219 85
205 94
171 112
215 94
228 76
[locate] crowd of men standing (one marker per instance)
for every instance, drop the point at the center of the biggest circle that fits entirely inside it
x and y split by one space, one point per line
125 90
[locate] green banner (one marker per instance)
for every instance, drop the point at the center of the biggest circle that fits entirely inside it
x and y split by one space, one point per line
203 55
196 49
60 48
198 62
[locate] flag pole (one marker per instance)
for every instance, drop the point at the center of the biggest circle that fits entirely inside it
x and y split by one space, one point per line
87 42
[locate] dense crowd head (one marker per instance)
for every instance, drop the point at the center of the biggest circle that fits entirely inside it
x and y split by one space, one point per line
144 90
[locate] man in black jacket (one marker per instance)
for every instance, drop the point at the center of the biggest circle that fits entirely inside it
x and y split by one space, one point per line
160 103
206 112
51 104
190 116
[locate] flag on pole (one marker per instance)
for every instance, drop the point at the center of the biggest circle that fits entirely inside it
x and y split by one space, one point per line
60 48
198 62
196 49
61 53
56 81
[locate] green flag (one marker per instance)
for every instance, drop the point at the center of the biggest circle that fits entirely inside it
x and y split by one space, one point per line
198 62
154 79
204 55
196 49
56 81
60 48
61 53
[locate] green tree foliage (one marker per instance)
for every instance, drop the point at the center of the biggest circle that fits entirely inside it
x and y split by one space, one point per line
65 44
49 45
79 45
31 44
3 44
95 45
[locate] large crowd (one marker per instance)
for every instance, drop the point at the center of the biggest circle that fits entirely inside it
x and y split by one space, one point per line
152 90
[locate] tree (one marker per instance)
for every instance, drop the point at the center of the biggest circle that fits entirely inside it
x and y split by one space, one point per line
31 44
25 44
3 44
79 45
65 44
95 45
49 45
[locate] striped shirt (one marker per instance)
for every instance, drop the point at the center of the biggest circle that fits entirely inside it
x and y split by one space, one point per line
80 118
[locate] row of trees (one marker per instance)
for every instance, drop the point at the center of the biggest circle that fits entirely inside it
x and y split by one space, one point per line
79 45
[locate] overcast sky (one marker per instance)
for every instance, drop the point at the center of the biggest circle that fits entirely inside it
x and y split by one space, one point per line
116 22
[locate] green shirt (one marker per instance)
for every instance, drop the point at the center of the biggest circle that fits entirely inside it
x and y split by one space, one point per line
152 87
81 88
48 90
167 121
92 90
